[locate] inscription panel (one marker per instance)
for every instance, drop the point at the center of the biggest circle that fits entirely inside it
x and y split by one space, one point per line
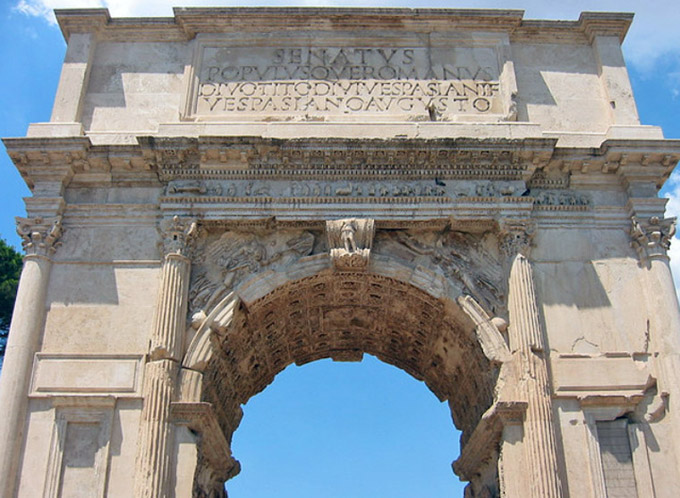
417 83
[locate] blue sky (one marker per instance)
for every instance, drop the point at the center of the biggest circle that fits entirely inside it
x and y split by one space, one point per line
332 429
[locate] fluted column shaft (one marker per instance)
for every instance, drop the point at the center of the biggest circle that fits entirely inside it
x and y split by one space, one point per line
153 477
526 340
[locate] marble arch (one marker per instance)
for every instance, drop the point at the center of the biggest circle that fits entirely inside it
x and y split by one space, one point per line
413 318
226 191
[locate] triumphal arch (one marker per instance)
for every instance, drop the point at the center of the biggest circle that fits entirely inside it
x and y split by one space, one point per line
467 195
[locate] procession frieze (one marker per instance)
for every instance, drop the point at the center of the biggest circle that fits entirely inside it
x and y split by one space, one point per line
178 189
560 198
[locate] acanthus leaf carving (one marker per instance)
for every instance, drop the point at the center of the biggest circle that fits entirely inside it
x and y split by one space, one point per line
651 238
179 236
350 241
40 236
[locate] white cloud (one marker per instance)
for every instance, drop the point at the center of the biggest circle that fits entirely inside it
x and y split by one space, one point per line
44 8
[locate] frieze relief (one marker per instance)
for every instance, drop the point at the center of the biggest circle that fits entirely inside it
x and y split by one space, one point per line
435 190
178 189
560 198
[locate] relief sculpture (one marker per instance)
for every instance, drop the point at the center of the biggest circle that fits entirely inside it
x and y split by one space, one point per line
228 260
350 242
465 258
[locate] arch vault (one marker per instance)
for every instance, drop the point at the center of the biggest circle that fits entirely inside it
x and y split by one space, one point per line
340 316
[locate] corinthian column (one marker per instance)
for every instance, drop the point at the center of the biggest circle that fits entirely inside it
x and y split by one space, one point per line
527 342
165 350
651 238
40 236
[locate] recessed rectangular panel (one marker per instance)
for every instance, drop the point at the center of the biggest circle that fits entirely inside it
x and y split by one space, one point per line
86 374
599 374
341 82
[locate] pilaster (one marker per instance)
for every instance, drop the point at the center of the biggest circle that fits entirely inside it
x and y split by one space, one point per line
74 78
614 78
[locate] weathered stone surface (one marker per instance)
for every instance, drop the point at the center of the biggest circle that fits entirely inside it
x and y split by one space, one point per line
467 195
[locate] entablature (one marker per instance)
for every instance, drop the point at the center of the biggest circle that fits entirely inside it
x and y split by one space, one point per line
536 161
246 180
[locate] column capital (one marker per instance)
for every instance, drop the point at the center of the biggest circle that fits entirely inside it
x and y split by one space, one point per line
40 235
515 237
178 236
651 237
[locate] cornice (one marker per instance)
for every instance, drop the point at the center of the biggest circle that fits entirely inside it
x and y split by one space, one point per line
214 158
653 160
188 22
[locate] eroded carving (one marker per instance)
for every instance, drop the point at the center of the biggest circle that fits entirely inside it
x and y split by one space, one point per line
40 236
227 260
192 187
516 237
470 260
179 235
564 198
350 241
651 238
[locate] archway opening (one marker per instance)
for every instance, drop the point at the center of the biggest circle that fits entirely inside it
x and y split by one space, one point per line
361 429
342 316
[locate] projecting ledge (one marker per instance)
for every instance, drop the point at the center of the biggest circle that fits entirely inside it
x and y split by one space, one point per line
352 130
200 417
486 437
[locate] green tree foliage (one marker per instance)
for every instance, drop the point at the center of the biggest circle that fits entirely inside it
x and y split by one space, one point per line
10 268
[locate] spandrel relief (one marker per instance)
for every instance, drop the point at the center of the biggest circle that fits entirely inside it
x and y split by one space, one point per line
227 260
471 260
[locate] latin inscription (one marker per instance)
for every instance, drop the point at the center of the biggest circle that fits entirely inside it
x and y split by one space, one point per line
424 83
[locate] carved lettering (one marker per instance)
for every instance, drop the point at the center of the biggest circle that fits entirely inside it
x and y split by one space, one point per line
346 80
